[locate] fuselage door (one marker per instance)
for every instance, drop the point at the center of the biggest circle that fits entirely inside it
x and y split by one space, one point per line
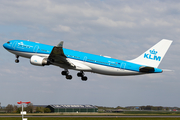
14 45
123 65
85 58
36 48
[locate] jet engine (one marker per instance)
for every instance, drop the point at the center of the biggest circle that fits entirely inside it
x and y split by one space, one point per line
39 61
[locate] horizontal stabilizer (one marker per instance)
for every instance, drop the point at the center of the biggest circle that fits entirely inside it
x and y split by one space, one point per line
146 69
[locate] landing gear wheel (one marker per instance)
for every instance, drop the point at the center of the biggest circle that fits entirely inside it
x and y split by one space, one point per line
80 74
64 72
17 61
84 78
69 77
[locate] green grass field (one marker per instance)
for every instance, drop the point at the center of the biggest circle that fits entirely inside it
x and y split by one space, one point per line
92 118
151 112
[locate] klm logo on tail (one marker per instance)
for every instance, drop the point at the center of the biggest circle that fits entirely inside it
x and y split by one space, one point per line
152 55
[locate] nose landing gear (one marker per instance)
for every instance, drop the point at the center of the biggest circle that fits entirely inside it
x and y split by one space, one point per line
17 60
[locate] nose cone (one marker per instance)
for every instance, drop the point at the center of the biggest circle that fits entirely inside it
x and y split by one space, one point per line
5 45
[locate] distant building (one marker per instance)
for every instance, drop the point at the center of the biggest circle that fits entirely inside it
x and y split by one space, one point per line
72 108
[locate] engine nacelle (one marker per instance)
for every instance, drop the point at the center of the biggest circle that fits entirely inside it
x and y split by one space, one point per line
39 61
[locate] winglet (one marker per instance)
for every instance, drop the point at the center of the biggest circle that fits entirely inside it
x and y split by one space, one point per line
60 44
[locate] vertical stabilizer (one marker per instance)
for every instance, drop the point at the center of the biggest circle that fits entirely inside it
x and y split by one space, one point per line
154 55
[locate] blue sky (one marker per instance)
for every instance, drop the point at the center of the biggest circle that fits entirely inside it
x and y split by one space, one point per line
122 29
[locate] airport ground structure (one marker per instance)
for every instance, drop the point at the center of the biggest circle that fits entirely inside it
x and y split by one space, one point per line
30 108
72 108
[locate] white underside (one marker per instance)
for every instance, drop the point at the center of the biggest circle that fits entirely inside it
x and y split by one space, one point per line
85 66
27 54
105 70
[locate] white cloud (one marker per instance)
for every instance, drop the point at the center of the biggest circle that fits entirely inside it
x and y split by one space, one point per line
61 28
110 23
156 23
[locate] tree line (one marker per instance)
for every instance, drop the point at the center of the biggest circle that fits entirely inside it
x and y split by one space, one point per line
29 108
148 107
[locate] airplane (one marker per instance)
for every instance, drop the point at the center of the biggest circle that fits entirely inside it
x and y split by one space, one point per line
42 55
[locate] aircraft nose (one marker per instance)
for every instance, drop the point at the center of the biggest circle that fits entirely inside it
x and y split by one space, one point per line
5 45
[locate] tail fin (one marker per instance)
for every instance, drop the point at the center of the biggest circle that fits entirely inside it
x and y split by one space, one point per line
154 55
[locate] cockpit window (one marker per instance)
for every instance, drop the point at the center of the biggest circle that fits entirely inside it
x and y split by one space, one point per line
8 42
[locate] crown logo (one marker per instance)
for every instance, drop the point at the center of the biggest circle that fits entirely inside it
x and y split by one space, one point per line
21 43
153 52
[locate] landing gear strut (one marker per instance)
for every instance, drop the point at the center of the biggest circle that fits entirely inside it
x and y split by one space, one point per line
81 74
17 60
66 73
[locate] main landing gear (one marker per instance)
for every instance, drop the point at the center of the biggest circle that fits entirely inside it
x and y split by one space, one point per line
17 60
66 73
81 74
